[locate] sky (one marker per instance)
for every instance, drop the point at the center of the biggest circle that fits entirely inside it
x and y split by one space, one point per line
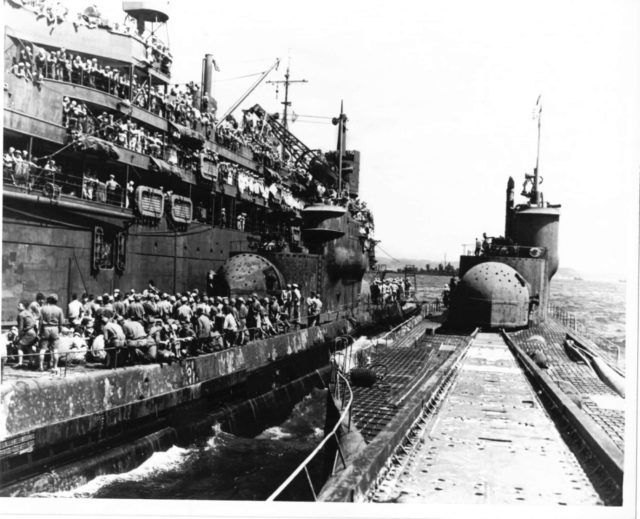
440 97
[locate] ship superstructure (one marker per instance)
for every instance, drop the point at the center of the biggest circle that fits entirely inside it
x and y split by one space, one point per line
114 176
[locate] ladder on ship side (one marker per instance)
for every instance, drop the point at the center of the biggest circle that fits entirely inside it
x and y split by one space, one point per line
301 154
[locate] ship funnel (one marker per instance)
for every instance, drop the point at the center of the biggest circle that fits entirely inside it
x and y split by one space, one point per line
208 67
147 11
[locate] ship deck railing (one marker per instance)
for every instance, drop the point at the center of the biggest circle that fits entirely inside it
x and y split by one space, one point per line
509 250
162 59
606 348
55 184
404 327
343 423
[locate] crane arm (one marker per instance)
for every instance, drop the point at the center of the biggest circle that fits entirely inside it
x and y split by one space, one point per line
248 92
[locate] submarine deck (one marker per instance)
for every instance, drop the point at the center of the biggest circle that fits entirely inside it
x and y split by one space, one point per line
562 423
412 359
598 401
490 442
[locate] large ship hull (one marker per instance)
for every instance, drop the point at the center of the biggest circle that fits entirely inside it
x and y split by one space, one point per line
40 238
50 422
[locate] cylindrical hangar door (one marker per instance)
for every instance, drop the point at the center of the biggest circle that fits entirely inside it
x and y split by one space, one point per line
245 274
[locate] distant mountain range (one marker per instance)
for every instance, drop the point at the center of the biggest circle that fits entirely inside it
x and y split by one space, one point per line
567 273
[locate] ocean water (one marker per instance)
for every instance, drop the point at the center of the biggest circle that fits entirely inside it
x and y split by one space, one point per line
230 467
222 465
599 305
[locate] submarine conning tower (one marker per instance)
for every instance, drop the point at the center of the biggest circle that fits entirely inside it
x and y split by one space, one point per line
529 247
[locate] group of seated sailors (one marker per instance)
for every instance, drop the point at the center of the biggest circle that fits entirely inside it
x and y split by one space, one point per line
389 290
54 13
143 327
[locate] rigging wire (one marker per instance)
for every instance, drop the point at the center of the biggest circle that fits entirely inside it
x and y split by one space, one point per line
238 77
386 253
314 116
306 122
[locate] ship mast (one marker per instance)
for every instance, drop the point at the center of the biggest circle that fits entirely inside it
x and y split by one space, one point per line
535 193
286 101
340 121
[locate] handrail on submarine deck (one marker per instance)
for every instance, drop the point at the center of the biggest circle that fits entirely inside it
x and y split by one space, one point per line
410 323
304 466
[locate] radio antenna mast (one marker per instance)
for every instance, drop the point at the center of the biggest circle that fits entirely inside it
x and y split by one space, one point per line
286 82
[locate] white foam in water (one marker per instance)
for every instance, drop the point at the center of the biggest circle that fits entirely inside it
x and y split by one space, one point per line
274 433
212 442
159 462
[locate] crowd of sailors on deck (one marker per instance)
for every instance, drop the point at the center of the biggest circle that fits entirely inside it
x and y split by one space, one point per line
53 13
182 104
389 290
361 213
179 104
124 132
119 328
22 171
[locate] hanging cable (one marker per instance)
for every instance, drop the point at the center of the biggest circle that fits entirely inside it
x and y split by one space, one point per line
238 77
386 253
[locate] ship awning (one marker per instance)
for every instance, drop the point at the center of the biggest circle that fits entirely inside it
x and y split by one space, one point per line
187 135
169 169
97 146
